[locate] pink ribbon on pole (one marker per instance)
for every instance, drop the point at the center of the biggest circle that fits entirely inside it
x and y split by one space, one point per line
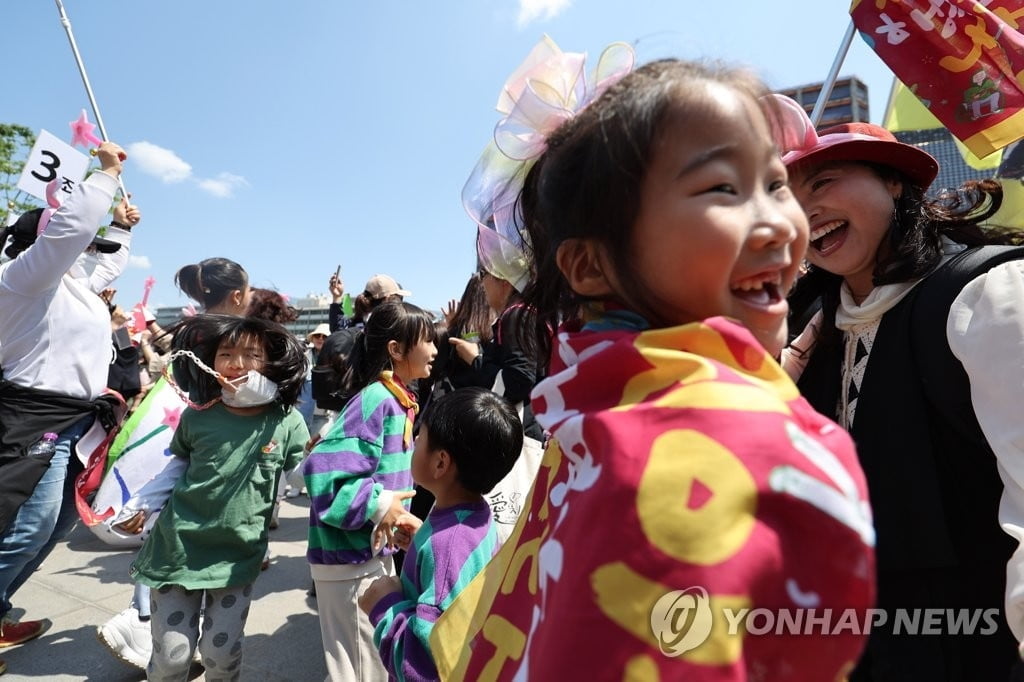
139 321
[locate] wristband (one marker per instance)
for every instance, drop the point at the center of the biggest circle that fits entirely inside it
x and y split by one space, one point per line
114 223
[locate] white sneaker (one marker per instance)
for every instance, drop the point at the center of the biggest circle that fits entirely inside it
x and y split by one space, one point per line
128 638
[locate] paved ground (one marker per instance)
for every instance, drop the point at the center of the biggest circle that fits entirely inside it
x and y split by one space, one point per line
84 582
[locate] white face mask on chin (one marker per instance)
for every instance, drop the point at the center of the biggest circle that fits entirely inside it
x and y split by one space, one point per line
84 265
257 390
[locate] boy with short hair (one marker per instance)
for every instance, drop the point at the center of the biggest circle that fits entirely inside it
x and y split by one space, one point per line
468 441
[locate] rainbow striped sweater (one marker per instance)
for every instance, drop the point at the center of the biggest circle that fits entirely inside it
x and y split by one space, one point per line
368 451
451 547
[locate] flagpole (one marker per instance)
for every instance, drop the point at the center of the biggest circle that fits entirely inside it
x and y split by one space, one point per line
830 80
66 23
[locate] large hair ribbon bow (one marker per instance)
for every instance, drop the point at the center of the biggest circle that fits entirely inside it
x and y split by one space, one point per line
545 91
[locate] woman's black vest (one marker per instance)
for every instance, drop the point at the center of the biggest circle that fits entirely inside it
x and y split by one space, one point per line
932 480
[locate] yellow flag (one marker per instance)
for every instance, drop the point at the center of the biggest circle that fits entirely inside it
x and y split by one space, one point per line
905 112
1011 212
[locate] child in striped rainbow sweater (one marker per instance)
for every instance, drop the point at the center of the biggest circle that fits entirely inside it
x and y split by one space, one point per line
359 482
468 441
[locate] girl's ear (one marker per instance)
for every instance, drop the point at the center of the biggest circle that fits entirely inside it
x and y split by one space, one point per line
236 298
584 266
394 350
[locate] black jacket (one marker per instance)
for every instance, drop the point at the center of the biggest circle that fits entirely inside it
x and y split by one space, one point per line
25 415
517 364
329 370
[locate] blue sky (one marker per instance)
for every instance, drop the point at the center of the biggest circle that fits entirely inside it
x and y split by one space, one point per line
294 137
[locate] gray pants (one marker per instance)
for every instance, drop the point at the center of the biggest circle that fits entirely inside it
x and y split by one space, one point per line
175 626
346 631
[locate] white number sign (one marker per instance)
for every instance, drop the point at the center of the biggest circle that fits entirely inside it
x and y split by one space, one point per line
52 159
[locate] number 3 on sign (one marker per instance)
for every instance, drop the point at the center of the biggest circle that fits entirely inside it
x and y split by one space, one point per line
52 159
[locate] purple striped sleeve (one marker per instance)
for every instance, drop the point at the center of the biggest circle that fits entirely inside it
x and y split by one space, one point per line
327 462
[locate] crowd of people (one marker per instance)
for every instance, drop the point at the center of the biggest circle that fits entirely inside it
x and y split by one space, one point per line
757 366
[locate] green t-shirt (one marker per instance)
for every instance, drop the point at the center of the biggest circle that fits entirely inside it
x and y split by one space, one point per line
214 530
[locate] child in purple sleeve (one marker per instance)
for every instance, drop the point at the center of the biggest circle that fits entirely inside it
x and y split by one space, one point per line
468 441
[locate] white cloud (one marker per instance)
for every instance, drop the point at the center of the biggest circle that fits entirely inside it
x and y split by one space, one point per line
168 167
224 185
139 262
159 162
531 10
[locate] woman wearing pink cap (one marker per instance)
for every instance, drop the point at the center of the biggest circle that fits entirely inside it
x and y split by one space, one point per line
917 350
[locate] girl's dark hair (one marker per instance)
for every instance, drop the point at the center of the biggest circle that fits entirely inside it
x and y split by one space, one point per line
285 356
267 304
588 183
480 430
363 305
914 241
473 314
211 281
439 368
395 321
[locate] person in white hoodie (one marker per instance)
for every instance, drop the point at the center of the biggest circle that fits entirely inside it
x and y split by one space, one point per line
916 350
54 353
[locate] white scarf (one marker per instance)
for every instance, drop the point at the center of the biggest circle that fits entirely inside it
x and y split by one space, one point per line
882 298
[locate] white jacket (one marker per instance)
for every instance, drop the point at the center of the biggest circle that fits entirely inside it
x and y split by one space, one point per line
54 329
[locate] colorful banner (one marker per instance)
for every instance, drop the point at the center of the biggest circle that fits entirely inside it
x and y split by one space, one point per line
654 520
905 112
140 468
964 61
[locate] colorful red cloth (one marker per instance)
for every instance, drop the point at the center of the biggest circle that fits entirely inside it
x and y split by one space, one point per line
683 460
960 59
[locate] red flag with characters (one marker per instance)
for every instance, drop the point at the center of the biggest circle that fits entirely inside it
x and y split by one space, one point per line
686 480
963 60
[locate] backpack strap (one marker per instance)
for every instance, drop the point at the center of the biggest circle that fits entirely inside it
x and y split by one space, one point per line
948 281
945 382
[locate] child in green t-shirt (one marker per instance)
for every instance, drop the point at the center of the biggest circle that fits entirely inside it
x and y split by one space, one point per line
212 535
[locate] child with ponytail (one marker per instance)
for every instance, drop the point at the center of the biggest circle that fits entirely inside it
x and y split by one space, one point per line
359 482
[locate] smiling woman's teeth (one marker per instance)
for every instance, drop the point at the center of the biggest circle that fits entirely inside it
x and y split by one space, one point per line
825 229
817 237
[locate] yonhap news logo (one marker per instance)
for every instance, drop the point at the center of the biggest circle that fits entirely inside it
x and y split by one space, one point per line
682 621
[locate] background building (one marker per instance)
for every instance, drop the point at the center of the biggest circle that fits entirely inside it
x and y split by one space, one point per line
939 142
848 102
312 311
